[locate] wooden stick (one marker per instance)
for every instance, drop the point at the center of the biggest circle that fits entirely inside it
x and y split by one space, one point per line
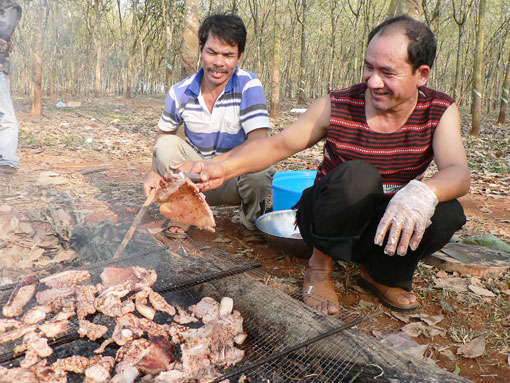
135 223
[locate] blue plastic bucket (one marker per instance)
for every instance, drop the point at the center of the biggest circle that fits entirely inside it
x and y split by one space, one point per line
288 187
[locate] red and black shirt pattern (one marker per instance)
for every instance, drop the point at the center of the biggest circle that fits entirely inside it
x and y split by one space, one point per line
400 156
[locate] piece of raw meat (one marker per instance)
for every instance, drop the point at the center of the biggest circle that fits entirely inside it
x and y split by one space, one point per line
20 296
180 200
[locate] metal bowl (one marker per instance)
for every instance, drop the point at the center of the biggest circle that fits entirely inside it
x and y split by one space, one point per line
280 231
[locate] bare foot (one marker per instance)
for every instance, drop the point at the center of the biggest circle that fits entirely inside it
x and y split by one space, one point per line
318 288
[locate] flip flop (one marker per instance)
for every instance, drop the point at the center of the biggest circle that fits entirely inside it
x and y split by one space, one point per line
321 294
389 296
176 235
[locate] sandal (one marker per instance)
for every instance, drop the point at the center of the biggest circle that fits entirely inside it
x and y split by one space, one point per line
170 233
253 236
389 296
321 296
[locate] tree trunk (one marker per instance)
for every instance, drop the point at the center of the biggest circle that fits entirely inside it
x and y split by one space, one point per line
505 94
477 71
302 59
168 40
37 64
131 55
190 47
275 80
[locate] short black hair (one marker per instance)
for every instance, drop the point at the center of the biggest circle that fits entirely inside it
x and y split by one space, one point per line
422 46
228 27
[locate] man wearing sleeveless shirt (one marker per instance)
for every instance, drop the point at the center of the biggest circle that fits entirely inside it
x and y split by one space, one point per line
370 202
221 107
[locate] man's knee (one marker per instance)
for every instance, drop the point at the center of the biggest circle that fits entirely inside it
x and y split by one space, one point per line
258 183
169 151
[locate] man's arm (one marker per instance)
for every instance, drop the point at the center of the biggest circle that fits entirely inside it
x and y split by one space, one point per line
252 136
409 212
260 153
453 177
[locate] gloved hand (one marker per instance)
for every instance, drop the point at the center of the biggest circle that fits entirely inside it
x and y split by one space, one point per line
406 217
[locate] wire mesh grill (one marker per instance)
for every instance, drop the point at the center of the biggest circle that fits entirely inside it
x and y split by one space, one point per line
320 361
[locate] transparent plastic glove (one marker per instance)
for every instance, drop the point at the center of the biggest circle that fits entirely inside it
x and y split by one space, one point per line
406 217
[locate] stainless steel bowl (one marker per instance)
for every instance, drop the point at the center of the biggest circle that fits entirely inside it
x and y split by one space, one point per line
281 233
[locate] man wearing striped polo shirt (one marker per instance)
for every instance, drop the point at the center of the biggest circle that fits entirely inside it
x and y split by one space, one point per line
221 107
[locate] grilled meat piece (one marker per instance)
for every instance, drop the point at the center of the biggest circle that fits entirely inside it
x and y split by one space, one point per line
173 376
75 363
207 309
34 315
17 375
181 201
53 295
6 323
91 330
159 303
139 276
141 304
47 374
157 357
133 351
20 296
183 317
16 333
125 373
53 327
109 300
85 297
99 369
66 278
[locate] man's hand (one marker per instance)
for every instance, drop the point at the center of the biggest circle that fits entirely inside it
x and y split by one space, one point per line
212 174
151 182
406 217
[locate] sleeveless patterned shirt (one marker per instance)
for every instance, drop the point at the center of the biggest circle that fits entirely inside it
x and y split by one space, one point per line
400 156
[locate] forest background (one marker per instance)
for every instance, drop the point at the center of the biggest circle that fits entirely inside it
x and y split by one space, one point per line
300 49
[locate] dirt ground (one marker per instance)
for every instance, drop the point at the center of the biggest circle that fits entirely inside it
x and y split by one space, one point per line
84 165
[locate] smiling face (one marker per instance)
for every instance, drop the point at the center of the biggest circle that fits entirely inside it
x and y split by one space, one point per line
391 84
219 60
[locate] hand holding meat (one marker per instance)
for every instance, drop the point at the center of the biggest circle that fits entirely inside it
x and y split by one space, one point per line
212 174
406 217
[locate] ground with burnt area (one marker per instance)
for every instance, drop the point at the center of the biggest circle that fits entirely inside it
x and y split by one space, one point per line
84 165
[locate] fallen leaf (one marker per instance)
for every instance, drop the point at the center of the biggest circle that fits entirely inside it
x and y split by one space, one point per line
456 284
64 256
442 274
473 349
400 317
414 329
481 291
448 354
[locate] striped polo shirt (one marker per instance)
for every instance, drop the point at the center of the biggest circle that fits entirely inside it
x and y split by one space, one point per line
240 109
400 156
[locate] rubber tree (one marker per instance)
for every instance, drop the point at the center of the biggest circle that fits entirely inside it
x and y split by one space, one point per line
477 71
505 96
37 61
275 78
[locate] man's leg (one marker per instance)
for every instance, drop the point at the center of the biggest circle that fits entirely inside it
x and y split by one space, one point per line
248 190
8 126
171 150
398 271
331 215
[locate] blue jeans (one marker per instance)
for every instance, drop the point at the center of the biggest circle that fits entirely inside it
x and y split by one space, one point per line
8 126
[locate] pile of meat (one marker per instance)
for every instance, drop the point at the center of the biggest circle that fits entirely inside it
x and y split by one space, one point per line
180 200
145 349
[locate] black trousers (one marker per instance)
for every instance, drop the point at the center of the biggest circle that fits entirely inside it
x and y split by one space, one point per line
339 216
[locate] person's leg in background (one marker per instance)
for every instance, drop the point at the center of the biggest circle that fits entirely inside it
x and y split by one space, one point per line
8 127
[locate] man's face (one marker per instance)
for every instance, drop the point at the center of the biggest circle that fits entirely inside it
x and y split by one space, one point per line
219 60
391 83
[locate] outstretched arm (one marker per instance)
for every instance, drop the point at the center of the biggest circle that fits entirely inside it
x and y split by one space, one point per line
258 154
